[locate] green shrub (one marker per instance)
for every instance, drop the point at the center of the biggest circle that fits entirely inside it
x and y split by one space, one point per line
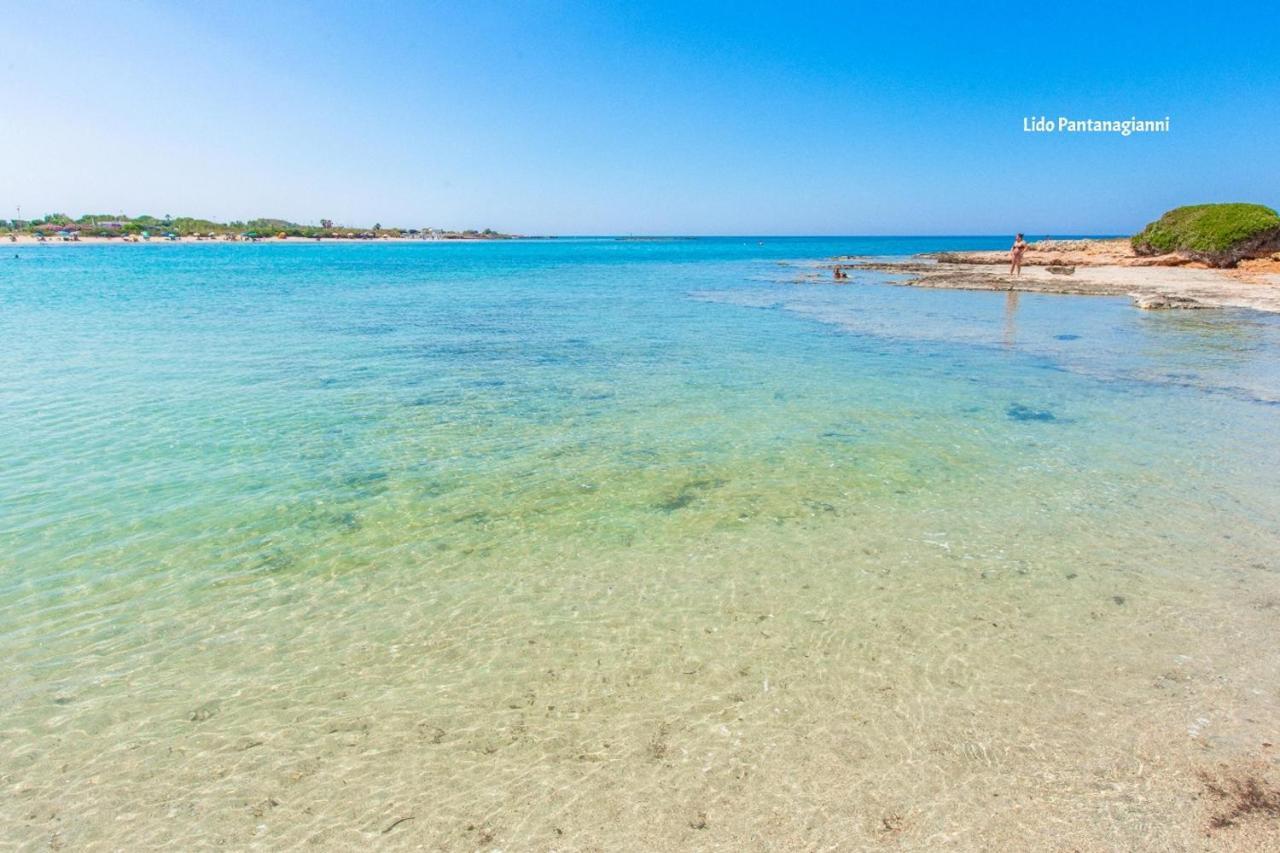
1219 233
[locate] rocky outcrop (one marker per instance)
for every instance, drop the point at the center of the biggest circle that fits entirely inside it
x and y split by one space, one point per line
1161 301
1218 235
1186 287
1066 254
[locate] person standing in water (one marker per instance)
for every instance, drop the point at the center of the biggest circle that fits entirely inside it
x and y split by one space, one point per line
1015 255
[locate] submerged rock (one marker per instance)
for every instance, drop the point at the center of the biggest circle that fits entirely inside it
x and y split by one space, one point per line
688 493
205 711
1019 412
1162 301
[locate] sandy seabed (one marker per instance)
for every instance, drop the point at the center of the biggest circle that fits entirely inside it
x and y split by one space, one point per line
823 688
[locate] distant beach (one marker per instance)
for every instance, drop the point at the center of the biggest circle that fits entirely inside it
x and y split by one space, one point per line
31 240
59 228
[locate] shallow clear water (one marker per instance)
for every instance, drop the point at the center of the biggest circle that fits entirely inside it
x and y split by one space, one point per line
621 543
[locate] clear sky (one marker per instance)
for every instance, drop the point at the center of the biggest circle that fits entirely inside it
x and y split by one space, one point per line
617 118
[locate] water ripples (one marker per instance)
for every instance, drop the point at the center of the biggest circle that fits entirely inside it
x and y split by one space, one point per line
527 544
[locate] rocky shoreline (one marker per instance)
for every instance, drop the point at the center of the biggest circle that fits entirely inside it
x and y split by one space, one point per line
1094 268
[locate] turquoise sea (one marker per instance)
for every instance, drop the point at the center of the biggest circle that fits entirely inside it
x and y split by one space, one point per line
623 544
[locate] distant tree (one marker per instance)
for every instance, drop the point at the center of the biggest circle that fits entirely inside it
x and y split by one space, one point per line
326 223
377 226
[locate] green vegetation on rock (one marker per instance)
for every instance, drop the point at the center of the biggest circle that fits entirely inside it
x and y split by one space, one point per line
1219 234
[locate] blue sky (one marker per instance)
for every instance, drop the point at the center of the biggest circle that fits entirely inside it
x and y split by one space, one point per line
613 118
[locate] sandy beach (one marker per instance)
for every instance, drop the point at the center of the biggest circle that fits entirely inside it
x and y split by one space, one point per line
1094 268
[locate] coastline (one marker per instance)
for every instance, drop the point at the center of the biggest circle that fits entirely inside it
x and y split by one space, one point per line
1093 268
28 240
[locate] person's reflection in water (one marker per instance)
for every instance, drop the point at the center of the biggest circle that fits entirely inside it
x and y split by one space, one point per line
1010 317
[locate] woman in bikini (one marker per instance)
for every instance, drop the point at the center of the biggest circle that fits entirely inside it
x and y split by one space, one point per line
1015 255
